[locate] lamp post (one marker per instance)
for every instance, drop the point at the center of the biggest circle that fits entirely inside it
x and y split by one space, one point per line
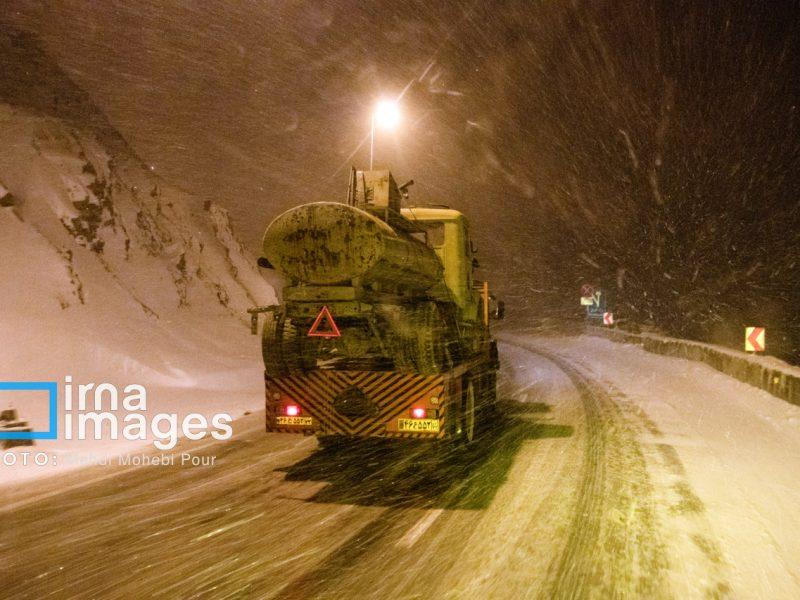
386 115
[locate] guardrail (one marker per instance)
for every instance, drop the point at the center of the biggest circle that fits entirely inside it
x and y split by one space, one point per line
780 381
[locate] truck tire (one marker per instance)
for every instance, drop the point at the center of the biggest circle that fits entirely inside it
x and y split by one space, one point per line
280 346
454 411
469 422
271 345
430 351
486 412
487 394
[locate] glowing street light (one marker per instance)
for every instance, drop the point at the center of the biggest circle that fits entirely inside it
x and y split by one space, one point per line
386 115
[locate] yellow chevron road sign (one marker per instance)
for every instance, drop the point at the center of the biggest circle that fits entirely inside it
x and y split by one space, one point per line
754 339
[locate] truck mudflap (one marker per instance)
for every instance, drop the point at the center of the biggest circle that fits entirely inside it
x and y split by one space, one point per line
361 403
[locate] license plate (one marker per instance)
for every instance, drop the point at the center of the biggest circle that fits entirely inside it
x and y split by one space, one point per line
294 421
430 425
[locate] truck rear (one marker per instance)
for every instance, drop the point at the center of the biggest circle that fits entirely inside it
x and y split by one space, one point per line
382 331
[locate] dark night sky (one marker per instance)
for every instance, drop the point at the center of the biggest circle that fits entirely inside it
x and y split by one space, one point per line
647 146
259 104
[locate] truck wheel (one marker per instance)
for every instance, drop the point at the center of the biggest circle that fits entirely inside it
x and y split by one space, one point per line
272 345
469 423
281 346
431 357
454 412
488 397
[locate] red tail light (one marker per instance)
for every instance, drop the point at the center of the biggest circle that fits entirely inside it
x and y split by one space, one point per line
418 412
292 410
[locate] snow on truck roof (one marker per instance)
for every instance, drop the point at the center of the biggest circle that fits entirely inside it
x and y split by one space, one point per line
427 213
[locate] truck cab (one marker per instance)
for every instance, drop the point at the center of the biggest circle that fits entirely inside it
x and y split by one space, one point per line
447 232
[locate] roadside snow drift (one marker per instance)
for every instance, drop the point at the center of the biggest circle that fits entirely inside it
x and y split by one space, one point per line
109 275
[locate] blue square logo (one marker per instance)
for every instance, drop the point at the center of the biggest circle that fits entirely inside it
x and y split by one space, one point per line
45 386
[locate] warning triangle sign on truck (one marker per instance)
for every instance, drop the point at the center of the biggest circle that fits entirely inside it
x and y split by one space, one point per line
324 326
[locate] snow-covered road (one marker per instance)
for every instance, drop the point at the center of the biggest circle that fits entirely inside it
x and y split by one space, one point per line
723 458
615 473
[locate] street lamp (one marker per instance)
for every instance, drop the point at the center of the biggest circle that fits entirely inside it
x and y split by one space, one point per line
386 115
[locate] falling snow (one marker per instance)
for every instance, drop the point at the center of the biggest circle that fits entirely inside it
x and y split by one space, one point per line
648 148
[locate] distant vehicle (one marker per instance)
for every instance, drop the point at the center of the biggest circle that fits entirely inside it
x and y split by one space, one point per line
382 330
10 422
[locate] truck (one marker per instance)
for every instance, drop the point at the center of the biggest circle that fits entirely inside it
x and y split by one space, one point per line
382 329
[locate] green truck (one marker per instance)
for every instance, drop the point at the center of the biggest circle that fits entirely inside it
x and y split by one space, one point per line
382 330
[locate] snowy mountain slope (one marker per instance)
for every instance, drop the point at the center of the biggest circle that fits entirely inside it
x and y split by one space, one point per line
108 274
111 222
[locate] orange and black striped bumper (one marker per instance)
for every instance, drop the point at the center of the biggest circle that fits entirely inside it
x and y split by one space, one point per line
387 397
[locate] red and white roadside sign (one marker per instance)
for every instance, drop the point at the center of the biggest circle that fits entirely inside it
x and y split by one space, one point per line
754 339
587 295
608 318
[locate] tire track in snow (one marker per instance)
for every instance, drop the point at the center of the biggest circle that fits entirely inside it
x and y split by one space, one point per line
681 514
613 547
692 538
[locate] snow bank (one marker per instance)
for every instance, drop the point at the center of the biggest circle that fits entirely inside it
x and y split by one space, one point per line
764 372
